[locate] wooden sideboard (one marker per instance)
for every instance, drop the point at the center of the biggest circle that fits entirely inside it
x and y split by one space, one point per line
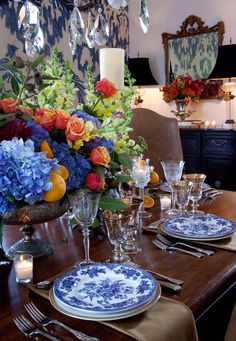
212 152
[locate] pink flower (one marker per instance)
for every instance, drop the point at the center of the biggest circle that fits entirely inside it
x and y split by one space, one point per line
94 182
75 128
100 156
105 87
62 118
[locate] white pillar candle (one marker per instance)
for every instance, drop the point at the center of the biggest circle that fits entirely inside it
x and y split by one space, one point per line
112 66
139 174
165 201
23 265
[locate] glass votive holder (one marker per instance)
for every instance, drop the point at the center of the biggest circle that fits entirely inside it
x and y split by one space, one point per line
23 265
165 201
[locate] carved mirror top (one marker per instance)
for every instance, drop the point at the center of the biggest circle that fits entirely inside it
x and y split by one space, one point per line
193 48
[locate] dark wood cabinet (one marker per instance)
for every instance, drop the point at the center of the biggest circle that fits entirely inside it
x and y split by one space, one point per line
212 152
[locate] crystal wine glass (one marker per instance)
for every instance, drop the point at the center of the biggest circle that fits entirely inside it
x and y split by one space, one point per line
182 189
173 170
196 190
141 176
116 222
85 207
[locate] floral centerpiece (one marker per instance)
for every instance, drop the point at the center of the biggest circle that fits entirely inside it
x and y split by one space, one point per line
183 88
47 152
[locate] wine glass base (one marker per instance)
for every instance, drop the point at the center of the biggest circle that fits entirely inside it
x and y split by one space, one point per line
132 251
144 214
118 258
84 262
197 212
172 212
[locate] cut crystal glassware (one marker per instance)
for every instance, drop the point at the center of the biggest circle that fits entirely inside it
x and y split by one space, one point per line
196 190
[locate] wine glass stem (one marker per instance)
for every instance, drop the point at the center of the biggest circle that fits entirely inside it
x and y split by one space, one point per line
86 233
141 195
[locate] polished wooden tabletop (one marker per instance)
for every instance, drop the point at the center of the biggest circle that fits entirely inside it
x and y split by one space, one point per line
206 279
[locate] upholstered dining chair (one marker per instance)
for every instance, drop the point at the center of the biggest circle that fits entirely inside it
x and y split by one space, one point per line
231 330
161 134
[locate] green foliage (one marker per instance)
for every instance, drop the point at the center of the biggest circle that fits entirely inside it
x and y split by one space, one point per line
61 93
111 204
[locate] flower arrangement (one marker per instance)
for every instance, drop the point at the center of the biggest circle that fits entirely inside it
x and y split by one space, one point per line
47 152
183 88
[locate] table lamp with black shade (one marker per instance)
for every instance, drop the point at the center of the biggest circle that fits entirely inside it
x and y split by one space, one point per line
225 69
140 70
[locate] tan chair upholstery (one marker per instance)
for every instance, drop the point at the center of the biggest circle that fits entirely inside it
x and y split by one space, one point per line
231 330
161 134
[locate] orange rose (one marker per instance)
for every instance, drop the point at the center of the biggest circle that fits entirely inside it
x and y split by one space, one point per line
106 88
75 128
26 110
8 105
62 118
100 156
94 182
46 118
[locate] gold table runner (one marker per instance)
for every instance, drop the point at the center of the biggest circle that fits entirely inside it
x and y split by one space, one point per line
167 320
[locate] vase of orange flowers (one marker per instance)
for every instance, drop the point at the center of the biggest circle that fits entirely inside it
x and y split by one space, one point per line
183 90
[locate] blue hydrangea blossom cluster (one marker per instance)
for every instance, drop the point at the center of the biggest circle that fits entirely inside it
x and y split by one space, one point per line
24 173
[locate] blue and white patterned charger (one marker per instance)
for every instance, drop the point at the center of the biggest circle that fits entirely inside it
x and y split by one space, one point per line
165 187
102 289
202 228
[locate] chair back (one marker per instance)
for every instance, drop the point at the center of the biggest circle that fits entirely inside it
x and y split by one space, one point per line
161 134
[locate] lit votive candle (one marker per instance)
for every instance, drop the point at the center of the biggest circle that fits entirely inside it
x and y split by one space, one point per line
139 174
23 265
165 201
207 124
213 124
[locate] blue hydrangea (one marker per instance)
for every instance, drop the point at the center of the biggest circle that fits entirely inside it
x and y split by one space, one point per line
86 117
39 133
77 166
101 141
5 205
24 173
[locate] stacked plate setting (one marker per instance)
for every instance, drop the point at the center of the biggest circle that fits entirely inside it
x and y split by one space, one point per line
104 291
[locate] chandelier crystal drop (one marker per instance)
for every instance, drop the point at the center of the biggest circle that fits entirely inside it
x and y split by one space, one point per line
76 28
90 31
118 4
101 34
144 16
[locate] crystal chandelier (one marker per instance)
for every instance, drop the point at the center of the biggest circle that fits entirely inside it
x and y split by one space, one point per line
95 31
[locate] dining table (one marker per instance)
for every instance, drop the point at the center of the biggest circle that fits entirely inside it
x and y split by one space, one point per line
209 288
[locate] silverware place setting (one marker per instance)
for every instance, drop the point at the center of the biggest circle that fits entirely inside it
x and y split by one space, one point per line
28 329
165 247
180 244
43 320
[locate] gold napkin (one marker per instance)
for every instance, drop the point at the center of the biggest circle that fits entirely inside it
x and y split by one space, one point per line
226 243
166 320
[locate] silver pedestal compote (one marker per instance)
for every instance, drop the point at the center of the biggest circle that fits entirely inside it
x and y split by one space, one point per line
27 216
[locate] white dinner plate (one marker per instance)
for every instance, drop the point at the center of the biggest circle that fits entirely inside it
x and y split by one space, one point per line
103 290
199 228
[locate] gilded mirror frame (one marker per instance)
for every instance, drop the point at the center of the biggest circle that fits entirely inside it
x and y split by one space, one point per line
193 33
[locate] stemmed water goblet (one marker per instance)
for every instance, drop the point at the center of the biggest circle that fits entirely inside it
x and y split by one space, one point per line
173 170
182 189
196 190
141 176
116 223
84 204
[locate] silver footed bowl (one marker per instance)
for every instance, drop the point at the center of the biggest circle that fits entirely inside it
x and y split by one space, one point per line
36 214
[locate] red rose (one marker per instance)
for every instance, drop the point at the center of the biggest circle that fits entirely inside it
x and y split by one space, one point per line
94 182
106 88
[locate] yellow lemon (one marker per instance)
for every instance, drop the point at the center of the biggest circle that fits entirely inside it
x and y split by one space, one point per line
44 147
148 201
154 178
58 188
63 171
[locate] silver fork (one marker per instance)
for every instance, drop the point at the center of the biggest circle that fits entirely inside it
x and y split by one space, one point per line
169 243
163 246
40 318
28 329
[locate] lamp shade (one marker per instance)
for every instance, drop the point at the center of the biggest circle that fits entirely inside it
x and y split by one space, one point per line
140 70
225 66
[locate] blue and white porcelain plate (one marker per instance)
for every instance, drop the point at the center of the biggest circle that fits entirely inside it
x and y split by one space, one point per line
165 187
203 227
100 289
